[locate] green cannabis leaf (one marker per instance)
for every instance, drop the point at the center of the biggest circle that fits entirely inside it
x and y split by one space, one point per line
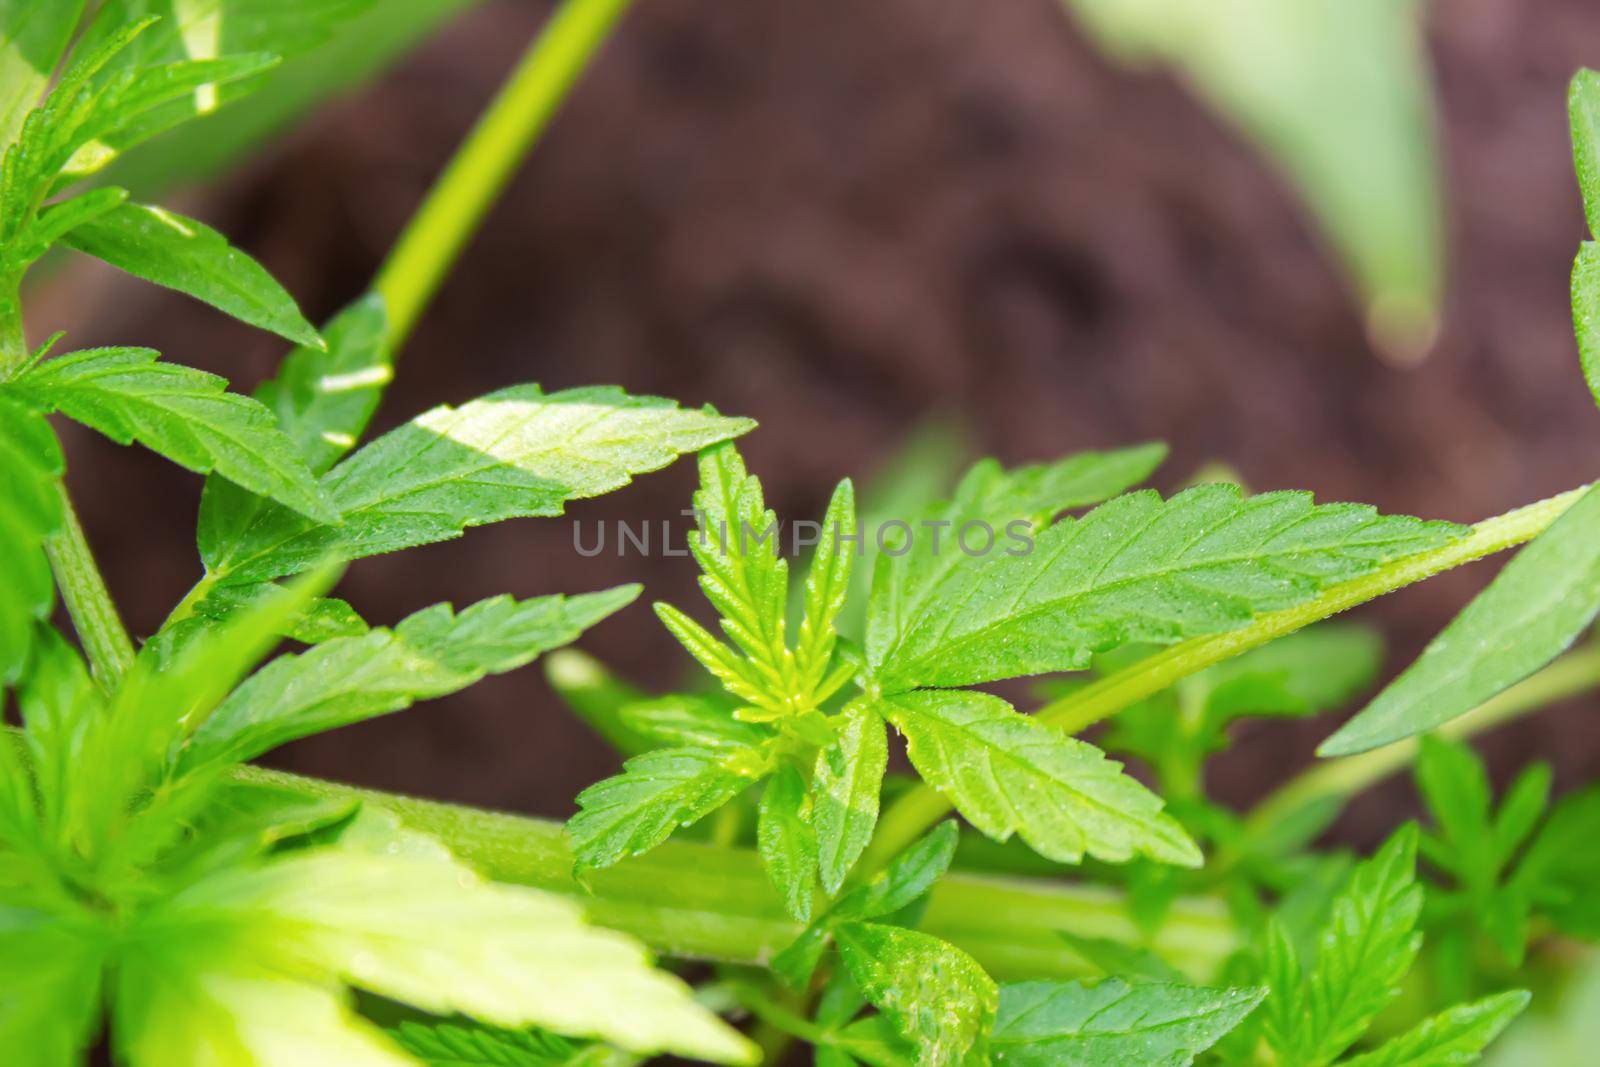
180 253
184 414
1456 1036
1531 613
1113 1024
1583 105
223 922
346 680
891 890
455 1045
517 452
324 396
1009 774
1139 569
935 996
657 793
30 511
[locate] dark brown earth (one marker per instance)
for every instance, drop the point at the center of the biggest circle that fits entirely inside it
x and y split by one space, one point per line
841 218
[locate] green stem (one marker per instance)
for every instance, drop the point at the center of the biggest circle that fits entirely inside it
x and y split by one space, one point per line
721 905
911 815
485 161
94 615
1569 676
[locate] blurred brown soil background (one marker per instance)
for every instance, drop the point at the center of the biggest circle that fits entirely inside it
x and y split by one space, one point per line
841 218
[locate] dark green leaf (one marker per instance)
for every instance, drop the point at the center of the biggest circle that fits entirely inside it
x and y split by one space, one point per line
180 253
514 453
1011 503
184 414
349 679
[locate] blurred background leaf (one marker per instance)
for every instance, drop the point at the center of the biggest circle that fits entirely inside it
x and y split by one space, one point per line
1336 93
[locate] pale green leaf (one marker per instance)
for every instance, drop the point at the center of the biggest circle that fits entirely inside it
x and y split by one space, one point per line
184 414
655 794
34 35
935 995
1365 165
514 453
1012 504
1113 1024
785 840
193 1004
1140 569
401 919
181 253
742 573
845 788
1533 610
349 679
1009 774
30 511
1451 1038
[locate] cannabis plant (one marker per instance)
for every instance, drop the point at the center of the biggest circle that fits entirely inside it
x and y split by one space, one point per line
167 903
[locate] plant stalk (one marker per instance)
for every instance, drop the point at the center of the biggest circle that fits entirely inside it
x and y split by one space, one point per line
1571 675
911 816
94 614
704 902
485 161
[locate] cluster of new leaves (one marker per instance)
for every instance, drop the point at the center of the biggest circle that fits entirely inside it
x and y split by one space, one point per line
1012 592
1502 872
1139 568
1331 966
221 917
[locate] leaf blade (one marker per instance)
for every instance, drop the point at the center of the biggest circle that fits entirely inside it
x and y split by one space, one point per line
1009 774
181 253
1532 611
